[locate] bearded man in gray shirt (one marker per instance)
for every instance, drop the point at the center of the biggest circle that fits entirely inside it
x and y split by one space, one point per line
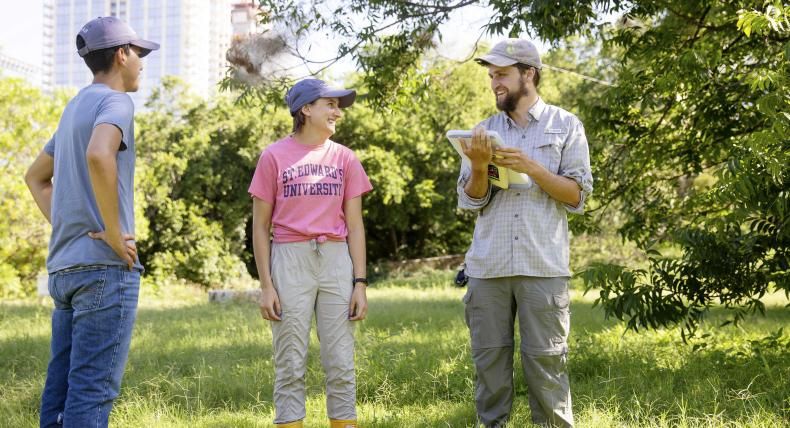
518 260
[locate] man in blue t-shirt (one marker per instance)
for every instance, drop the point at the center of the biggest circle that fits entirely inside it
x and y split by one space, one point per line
83 182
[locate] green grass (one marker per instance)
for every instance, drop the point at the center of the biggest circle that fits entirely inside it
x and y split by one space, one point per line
195 364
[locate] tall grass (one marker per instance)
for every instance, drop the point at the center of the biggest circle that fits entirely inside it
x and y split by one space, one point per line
207 365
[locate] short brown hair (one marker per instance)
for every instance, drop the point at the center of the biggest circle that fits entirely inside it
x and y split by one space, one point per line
100 61
522 68
299 118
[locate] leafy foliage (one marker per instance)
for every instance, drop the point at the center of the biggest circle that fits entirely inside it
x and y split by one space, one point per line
196 162
689 144
697 156
196 159
385 57
28 119
411 211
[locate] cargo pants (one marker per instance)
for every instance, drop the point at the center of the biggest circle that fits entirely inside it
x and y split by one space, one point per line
542 306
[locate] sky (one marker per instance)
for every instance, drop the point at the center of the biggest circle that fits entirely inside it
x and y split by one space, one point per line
20 30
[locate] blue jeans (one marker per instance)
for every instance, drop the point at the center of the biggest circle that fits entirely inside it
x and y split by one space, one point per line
95 310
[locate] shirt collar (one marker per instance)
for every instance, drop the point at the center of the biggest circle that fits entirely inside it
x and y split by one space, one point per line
535 113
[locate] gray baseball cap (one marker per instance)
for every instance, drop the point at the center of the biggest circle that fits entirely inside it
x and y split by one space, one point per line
308 90
107 32
512 51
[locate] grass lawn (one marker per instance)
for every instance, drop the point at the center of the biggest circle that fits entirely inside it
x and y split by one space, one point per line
195 364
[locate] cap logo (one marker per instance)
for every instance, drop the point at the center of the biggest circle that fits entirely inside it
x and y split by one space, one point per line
511 48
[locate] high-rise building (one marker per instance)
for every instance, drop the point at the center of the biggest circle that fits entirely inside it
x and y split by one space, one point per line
244 17
47 44
193 34
14 67
21 40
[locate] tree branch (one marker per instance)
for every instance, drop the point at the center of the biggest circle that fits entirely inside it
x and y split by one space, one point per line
695 21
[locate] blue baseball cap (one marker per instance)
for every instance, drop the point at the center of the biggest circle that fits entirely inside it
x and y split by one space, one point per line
107 32
308 90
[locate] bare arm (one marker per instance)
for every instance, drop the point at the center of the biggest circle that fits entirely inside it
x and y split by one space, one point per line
261 245
560 188
103 169
39 180
352 208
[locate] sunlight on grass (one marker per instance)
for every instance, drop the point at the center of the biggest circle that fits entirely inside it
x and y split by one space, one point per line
195 364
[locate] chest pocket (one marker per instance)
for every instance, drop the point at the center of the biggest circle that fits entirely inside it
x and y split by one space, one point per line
549 152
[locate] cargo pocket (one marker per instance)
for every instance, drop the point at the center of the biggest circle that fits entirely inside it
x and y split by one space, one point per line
562 316
467 311
561 301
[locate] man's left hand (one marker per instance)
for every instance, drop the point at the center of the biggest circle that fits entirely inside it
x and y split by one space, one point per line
515 159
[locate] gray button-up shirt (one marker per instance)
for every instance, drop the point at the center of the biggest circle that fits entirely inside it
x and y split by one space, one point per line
523 231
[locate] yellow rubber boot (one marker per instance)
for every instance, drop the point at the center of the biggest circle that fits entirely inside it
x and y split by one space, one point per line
338 423
294 424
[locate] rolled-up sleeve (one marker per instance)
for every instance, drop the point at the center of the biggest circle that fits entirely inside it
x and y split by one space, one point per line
466 202
575 164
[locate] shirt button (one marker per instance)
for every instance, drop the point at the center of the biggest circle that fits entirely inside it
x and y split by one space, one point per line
516 215
523 136
518 194
516 238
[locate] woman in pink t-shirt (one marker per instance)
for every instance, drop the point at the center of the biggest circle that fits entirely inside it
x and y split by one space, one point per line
307 190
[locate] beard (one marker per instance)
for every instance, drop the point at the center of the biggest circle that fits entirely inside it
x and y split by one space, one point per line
509 103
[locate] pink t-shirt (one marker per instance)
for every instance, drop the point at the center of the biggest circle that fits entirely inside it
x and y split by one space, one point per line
307 186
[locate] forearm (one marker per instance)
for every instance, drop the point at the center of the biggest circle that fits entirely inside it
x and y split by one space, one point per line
356 235
358 307
103 170
560 188
477 186
261 246
356 248
39 181
42 195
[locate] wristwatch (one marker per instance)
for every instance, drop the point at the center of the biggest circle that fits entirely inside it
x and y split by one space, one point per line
361 280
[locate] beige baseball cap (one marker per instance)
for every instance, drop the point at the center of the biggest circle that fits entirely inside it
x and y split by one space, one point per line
512 51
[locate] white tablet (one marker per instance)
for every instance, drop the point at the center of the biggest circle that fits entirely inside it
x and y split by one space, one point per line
458 134
499 176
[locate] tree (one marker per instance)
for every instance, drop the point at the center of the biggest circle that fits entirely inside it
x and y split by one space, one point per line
28 119
412 209
690 142
197 159
697 156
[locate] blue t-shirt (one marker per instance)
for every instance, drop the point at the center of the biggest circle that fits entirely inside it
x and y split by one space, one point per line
74 208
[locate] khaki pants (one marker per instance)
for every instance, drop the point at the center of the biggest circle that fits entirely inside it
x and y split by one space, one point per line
544 322
313 277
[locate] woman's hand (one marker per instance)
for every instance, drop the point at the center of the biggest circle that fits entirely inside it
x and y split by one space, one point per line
358 308
270 304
